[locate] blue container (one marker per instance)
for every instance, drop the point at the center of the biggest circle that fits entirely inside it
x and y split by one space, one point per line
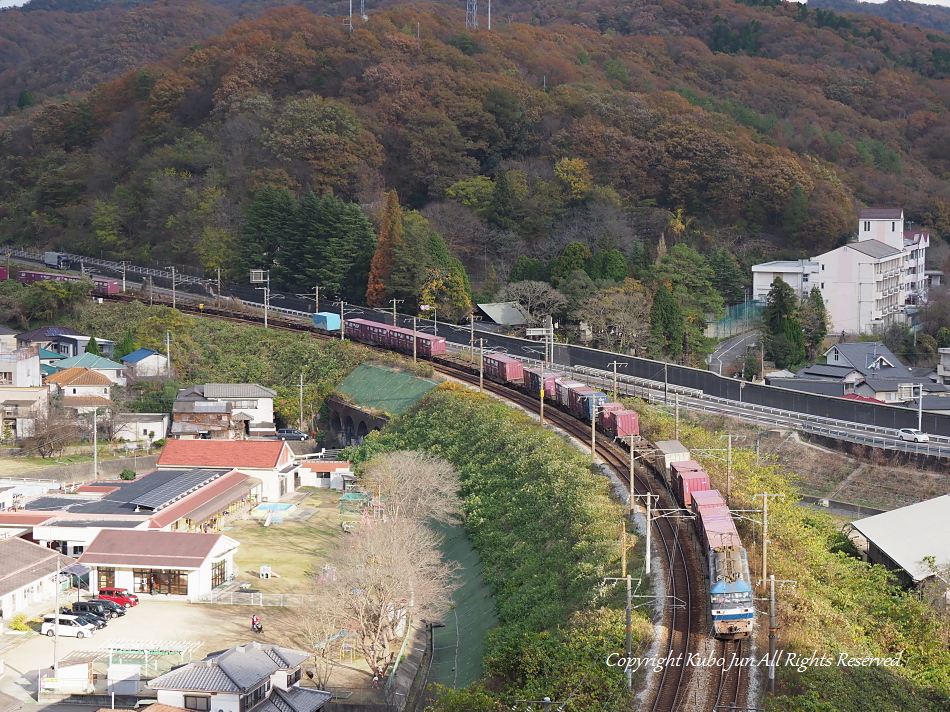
589 401
328 321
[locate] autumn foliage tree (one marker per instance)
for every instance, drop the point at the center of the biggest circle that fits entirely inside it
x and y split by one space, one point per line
388 241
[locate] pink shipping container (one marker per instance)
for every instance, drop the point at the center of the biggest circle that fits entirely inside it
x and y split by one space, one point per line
709 499
686 483
719 531
429 345
562 387
504 368
626 423
606 419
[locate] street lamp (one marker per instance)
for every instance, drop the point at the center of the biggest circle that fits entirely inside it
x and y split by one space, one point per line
435 321
262 276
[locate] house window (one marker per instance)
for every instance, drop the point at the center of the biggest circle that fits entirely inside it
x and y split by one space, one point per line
167 582
253 697
218 573
196 702
822 285
893 227
6 378
293 678
822 268
74 391
867 225
106 577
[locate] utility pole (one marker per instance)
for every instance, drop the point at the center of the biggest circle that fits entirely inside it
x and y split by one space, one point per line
219 286
676 416
489 15
342 323
151 284
765 531
542 397
666 385
615 364
95 446
728 437
920 404
124 265
414 319
174 293
772 627
394 302
481 365
168 352
628 611
301 400
316 298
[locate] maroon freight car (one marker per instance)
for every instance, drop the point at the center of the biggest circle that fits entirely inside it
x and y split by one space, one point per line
562 387
102 285
606 419
536 378
428 345
686 483
504 368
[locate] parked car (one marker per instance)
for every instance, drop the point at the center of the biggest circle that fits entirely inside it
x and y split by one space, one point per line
97 609
913 435
117 608
70 626
90 618
291 434
119 595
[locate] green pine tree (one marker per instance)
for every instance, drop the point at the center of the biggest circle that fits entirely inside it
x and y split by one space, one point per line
125 346
26 99
501 209
667 324
270 217
93 347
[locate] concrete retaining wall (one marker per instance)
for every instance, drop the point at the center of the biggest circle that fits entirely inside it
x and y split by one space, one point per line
82 471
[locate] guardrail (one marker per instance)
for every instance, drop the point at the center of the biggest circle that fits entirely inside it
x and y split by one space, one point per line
245 598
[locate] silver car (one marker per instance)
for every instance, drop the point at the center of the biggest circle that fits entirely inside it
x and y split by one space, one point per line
913 435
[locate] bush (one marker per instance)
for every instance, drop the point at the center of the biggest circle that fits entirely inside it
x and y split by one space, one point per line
127 475
160 443
19 622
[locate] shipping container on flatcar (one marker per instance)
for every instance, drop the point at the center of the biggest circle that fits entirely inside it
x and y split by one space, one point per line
586 402
575 398
504 368
327 321
605 418
678 468
536 378
707 501
685 483
626 423
4 273
429 345
562 387
669 451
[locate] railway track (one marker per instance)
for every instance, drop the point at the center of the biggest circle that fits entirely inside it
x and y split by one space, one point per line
685 609
729 693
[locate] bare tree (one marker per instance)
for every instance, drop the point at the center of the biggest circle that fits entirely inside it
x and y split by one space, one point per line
538 298
388 574
414 485
53 430
618 318
324 627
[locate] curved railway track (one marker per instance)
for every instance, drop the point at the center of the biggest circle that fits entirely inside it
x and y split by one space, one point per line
685 608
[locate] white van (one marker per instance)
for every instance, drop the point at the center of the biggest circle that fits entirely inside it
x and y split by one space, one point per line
68 625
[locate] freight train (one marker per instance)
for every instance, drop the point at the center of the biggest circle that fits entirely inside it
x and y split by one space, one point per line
729 580
102 285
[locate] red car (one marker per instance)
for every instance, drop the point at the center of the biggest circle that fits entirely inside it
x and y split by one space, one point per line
120 596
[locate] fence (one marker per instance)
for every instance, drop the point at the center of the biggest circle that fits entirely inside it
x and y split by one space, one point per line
738 319
248 598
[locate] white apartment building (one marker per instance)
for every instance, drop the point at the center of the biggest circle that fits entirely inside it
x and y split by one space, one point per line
866 283
798 274
863 286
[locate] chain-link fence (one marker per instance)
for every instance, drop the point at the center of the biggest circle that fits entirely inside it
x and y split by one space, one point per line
738 319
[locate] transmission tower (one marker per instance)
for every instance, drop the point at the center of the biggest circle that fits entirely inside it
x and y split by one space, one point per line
471 14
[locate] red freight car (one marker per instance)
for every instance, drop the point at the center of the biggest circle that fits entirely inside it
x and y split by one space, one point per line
562 387
428 345
718 531
402 339
626 423
4 273
708 500
504 368
686 483
102 285
536 378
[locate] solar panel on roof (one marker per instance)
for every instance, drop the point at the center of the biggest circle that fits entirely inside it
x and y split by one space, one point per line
176 489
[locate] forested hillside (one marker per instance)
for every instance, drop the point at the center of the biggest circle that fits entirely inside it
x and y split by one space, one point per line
575 151
934 17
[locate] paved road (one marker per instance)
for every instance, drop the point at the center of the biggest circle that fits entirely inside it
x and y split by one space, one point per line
731 350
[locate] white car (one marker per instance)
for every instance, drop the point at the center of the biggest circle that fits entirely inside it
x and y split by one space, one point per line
913 435
70 626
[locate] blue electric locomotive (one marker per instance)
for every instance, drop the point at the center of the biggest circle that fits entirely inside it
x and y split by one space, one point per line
730 593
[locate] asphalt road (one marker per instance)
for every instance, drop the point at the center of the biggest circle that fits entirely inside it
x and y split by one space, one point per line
732 350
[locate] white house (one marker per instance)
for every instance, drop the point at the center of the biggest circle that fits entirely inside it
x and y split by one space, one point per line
142 427
81 389
795 273
115 372
23 397
255 676
270 461
146 363
887 225
159 562
27 573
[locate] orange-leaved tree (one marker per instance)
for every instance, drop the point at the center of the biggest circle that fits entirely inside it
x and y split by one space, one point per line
390 236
